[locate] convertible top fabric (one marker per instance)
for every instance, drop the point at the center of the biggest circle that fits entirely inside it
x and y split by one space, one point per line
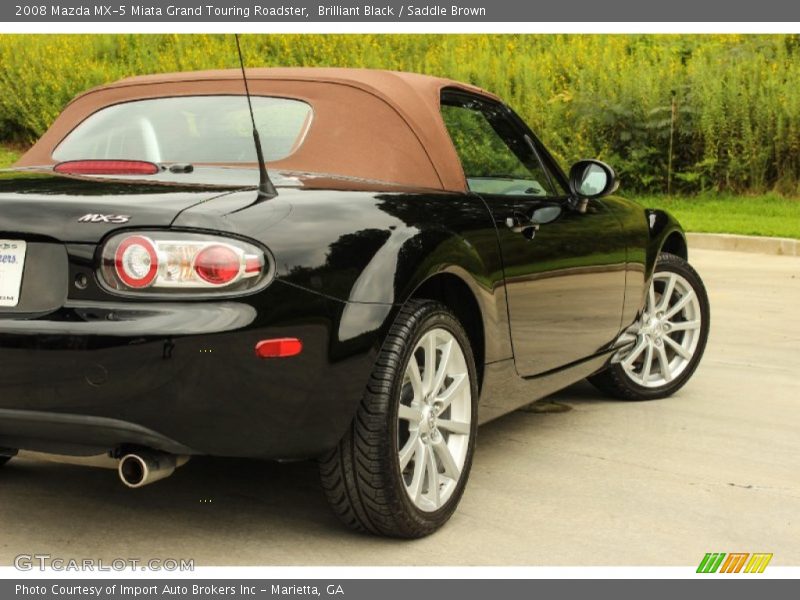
369 124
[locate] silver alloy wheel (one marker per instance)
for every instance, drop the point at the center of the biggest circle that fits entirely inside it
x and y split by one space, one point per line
668 333
434 420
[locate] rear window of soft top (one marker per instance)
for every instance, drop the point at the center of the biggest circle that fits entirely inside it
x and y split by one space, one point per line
193 129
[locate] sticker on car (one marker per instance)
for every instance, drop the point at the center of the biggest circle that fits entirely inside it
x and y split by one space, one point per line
12 263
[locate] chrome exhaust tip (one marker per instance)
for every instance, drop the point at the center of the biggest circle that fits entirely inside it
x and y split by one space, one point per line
142 468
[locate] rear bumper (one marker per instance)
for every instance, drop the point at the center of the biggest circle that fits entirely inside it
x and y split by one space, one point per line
79 435
182 378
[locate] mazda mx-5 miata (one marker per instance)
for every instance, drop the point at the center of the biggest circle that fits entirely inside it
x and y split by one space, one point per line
412 263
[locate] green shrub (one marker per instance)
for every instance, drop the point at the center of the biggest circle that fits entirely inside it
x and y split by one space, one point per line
730 104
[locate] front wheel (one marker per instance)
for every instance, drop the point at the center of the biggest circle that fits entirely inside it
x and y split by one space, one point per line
670 338
401 468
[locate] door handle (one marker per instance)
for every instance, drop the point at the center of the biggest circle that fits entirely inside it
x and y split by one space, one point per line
528 226
521 226
519 223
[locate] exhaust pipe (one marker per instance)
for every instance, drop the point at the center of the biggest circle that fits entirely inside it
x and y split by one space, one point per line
141 468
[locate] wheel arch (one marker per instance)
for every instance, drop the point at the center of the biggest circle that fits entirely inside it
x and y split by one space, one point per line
675 243
666 235
453 291
439 265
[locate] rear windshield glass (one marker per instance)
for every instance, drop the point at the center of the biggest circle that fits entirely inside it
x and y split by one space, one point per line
194 129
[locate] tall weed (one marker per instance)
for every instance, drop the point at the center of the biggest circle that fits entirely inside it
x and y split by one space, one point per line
732 101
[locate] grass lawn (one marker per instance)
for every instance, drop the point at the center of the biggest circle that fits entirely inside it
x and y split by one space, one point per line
769 215
8 156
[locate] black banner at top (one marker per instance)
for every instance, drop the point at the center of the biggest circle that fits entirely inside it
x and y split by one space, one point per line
591 11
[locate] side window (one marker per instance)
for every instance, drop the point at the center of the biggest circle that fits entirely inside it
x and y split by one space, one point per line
496 159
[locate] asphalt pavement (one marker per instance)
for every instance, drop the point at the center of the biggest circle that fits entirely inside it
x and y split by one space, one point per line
575 480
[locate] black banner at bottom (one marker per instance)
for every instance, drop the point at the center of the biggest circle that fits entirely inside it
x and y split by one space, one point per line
396 589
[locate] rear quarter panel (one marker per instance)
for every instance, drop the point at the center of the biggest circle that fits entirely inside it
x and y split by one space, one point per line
371 249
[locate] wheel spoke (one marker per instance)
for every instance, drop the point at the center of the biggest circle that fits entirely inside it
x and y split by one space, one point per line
451 469
420 466
415 378
680 304
683 325
409 413
663 360
635 353
441 372
651 299
433 479
667 292
446 397
429 349
684 353
647 365
453 426
408 451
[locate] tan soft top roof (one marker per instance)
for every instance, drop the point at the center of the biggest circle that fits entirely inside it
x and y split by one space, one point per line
381 125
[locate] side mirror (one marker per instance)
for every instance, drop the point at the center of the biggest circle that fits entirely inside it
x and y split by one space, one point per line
589 179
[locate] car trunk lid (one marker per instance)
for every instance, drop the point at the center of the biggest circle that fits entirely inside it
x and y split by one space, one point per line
43 213
37 204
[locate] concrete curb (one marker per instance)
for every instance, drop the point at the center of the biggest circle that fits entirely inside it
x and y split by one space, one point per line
744 243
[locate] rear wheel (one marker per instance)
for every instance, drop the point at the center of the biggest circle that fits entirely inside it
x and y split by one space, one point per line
670 340
402 467
4 460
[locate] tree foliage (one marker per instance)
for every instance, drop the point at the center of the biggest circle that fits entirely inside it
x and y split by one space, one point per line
732 102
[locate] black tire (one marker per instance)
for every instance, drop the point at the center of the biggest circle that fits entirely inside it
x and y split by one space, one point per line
614 381
361 477
4 460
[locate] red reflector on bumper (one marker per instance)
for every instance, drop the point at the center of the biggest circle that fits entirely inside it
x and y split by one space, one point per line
279 348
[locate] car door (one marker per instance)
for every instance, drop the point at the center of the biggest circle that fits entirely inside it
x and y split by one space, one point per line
565 280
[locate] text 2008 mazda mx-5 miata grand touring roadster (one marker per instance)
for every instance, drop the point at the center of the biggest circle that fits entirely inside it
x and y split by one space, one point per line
414 263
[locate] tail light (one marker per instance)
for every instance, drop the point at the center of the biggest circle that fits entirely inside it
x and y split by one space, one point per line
218 265
136 261
162 262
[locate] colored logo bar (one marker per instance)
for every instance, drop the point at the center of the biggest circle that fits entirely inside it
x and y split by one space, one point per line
734 562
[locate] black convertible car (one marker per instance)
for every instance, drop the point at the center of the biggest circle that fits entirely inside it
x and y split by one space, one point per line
414 263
